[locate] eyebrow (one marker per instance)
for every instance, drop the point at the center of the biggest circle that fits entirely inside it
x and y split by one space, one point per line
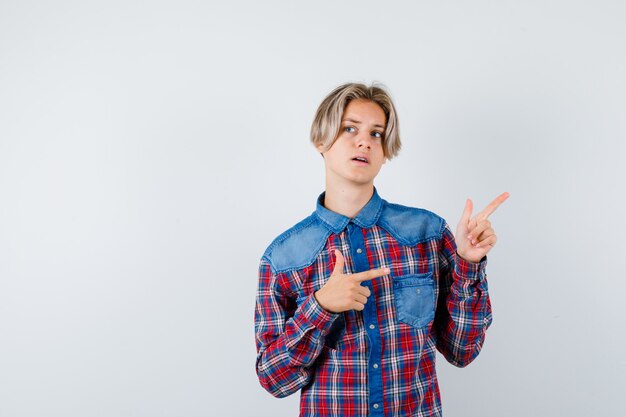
357 122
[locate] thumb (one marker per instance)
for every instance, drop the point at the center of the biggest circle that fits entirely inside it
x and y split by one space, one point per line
467 212
338 262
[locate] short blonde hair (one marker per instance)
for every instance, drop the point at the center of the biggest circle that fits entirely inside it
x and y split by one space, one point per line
327 122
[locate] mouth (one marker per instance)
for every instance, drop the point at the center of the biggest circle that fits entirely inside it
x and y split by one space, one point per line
361 160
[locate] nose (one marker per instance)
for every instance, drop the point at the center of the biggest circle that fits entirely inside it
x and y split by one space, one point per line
364 141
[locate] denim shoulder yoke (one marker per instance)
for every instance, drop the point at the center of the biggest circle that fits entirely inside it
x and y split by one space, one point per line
298 246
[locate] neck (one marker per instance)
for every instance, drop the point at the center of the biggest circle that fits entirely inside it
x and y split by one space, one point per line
347 200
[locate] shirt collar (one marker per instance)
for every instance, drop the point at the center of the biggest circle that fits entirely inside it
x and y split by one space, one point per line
367 217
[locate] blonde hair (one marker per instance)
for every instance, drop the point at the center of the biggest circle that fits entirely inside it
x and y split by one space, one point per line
327 122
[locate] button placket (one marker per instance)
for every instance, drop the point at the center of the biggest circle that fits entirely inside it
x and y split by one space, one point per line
361 264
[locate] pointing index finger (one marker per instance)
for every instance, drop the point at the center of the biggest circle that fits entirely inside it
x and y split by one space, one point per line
371 274
493 205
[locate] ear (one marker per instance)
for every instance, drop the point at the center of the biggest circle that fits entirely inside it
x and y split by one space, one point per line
320 148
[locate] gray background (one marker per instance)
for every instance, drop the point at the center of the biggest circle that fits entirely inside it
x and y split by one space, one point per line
150 151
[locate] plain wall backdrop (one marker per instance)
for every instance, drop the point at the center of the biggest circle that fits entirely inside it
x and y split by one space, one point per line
150 152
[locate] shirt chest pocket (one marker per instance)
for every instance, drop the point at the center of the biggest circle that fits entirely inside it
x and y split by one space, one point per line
415 299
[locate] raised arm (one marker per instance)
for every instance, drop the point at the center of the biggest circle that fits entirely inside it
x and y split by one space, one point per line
464 309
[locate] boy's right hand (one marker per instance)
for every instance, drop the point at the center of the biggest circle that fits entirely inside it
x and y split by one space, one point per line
344 292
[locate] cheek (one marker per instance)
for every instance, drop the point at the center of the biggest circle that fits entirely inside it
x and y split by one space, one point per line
381 152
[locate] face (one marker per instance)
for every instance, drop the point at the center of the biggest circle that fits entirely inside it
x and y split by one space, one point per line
357 155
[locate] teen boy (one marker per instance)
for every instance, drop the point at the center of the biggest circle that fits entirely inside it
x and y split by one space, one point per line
354 300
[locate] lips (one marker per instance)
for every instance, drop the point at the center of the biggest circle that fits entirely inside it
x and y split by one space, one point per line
361 158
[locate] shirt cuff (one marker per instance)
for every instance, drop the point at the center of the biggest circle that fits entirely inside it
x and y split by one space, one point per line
473 271
316 315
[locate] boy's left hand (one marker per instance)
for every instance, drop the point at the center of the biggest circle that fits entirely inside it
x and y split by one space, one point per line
474 235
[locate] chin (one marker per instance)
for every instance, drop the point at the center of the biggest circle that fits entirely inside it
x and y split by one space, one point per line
361 181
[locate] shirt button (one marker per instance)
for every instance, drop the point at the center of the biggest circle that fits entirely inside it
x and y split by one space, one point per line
375 366
418 291
375 405
359 250
372 326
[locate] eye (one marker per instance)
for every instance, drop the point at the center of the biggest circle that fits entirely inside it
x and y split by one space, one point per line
347 129
378 135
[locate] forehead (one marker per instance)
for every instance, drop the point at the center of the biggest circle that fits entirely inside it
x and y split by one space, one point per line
365 111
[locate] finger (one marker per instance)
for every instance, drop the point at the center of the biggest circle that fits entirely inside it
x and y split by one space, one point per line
467 212
357 306
364 291
491 207
360 298
371 274
474 233
485 234
488 241
338 262
472 224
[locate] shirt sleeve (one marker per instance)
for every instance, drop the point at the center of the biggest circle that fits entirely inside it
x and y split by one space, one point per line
463 308
289 333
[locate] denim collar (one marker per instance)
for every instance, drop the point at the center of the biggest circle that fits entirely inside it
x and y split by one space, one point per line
367 217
